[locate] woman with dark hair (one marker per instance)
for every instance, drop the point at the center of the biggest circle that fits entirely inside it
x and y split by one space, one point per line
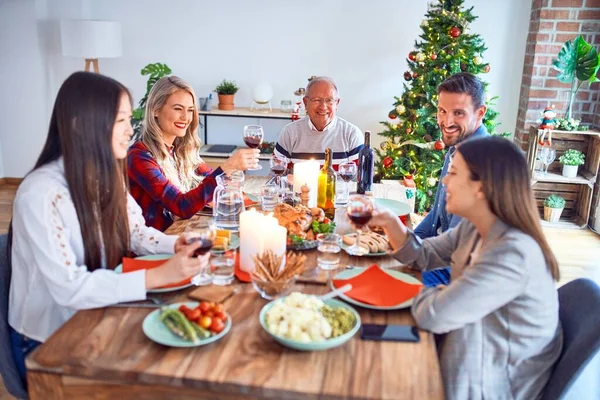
499 313
73 219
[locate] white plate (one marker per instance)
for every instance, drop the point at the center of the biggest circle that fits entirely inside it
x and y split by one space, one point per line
351 273
119 269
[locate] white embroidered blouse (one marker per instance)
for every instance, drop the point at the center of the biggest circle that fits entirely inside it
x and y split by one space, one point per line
49 279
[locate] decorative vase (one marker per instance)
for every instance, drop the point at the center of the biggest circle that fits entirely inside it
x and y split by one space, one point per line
226 101
570 171
552 214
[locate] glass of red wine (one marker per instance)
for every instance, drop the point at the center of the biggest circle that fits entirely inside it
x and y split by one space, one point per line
204 230
347 171
359 211
278 166
253 137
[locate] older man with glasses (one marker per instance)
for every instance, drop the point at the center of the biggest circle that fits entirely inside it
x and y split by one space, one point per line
308 137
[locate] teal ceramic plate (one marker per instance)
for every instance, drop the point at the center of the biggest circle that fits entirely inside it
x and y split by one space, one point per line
346 247
119 269
156 331
351 273
312 346
397 207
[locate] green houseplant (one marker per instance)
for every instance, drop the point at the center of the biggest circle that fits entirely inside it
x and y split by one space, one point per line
226 91
577 62
571 160
156 71
553 207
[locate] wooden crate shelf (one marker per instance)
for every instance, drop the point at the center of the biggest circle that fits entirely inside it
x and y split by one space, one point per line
577 191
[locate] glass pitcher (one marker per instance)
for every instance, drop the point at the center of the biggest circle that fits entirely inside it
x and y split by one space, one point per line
228 201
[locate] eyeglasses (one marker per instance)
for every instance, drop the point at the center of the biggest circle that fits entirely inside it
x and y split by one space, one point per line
328 102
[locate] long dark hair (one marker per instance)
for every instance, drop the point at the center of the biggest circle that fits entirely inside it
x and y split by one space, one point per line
81 129
501 167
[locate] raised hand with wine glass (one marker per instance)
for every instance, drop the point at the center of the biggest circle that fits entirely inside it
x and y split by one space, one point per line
253 137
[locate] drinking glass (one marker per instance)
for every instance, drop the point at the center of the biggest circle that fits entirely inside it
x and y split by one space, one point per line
253 137
278 166
204 230
222 261
269 197
328 256
347 171
359 211
547 156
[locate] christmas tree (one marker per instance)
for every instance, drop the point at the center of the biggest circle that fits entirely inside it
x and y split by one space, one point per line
413 143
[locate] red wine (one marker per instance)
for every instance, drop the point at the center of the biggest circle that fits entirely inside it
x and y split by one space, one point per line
347 177
253 141
366 160
205 246
360 219
278 170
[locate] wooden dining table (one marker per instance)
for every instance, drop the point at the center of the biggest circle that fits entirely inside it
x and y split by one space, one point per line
103 353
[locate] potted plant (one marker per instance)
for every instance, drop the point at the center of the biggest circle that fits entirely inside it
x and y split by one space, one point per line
553 207
571 160
226 91
577 62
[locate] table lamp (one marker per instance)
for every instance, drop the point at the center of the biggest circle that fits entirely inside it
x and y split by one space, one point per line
91 40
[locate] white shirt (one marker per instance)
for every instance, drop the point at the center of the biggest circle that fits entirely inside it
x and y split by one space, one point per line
49 279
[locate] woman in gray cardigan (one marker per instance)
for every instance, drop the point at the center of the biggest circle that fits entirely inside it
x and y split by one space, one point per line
500 311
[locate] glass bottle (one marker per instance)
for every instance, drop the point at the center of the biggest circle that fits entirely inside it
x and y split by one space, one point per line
366 160
326 188
228 201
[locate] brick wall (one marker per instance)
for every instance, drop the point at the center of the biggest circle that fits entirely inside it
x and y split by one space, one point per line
552 23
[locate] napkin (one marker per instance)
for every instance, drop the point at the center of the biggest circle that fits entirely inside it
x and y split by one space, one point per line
375 287
134 264
241 275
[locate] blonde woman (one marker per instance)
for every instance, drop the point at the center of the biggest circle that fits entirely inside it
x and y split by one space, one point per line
167 177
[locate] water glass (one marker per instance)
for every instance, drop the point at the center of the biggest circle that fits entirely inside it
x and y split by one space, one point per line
222 264
341 192
269 197
328 256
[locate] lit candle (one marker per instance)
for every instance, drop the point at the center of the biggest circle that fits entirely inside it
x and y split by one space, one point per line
259 233
307 173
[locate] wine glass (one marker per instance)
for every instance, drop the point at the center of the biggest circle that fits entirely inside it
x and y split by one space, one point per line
253 137
359 211
547 156
204 230
347 171
278 164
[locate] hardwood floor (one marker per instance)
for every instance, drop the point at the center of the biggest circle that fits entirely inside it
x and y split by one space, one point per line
577 251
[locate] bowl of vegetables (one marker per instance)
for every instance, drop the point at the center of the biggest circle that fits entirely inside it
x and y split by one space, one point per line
306 323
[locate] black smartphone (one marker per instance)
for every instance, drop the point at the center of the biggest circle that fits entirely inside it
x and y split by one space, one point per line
397 333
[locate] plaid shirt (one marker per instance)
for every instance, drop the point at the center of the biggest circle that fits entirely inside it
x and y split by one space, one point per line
157 196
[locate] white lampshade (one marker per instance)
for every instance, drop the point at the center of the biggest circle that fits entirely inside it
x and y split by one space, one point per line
262 93
91 39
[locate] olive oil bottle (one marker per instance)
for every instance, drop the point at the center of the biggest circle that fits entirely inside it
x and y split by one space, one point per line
326 189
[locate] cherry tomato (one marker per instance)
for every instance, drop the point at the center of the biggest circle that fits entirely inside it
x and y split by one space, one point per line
209 313
183 308
326 220
194 314
221 315
218 308
217 325
206 322
204 307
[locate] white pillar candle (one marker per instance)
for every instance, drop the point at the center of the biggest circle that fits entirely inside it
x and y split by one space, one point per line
259 233
307 173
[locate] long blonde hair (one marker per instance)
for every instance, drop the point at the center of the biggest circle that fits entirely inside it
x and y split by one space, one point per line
501 167
181 170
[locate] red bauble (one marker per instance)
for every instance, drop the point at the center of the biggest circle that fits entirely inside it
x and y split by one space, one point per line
392 115
455 31
433 56
414 75
407 76
439 145
487 68
387 162
412 56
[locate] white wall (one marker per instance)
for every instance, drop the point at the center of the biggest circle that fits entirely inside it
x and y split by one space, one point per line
362 44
